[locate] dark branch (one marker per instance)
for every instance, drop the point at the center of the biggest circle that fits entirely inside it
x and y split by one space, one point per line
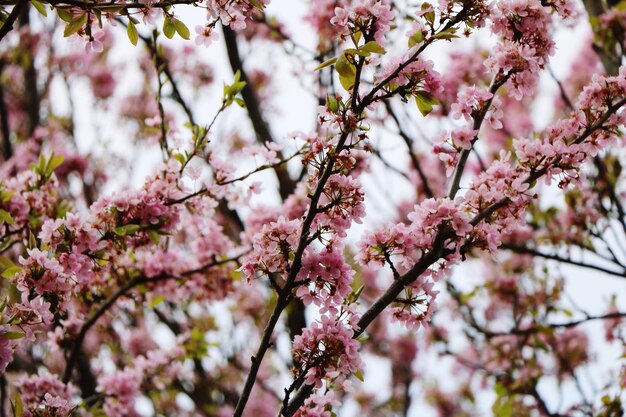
286 185
10 20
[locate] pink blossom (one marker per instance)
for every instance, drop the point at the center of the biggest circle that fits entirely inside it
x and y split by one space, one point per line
205 35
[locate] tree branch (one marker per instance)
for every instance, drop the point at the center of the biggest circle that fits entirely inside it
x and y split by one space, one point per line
5 128
286 185
10 20
498 82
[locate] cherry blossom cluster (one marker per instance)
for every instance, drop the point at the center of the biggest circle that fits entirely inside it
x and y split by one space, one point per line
396 243
559 150
325 278
273 247
113 299
371 17
340 205
523 25
327 350
122 387
417 307
45 394
318 406
412 78
233 13
472 101
501 180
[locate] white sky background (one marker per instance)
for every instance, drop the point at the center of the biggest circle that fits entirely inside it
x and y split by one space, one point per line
296 112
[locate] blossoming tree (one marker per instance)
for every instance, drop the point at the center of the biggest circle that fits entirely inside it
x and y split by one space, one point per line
233 281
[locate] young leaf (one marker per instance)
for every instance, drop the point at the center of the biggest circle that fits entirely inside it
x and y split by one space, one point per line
346 71
373 47
17 406
332 103
127 230
326 63
155 237
6 217
180 158
40 7
257 4
168 28
10 272
64 15
75 25
53 163
6 263
447 34
157 300
425 102
180 27
416 38
131 31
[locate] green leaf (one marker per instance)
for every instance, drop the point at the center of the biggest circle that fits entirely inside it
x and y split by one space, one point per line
332 103
14 335
502 406
425 102
32 240
236 275
5 196
257 4
180 27
362 337
447 34
131 31
155 237
416 38
621 6
6 262
357 293
168 28
180 158
156 301
17 406
53 163
6 217
346 71
326 63
358 374
429 16
230 91
75 25
64 15
11 271
40 7
373 47
128 229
